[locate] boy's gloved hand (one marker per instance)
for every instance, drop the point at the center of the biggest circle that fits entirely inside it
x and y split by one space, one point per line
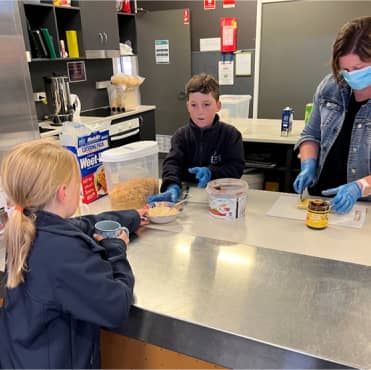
203 175
345 197
170 195
306 175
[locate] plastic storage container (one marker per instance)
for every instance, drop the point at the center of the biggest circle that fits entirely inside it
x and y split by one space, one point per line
235 106
227 198
131 174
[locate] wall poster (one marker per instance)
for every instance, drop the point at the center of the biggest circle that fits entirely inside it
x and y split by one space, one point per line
225 73
243 63
76 71
162 54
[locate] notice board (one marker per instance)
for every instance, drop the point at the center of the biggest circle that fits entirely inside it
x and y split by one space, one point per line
296 40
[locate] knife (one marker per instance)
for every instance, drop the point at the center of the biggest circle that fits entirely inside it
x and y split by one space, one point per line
302 197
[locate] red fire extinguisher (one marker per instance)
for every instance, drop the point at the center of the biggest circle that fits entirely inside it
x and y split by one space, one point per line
228 32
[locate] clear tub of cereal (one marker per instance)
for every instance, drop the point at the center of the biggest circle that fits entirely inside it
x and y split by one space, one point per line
131 174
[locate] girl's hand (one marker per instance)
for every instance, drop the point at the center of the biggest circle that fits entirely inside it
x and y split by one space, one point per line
123 236
143 213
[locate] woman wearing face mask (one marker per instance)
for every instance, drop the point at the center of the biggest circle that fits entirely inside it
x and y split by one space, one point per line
335 145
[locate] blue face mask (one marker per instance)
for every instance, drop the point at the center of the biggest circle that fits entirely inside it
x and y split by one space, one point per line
358 79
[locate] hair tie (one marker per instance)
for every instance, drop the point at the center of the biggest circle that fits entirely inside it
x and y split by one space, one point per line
19 208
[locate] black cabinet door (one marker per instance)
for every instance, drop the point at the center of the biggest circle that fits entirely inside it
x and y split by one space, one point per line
100 29
165 77
147 125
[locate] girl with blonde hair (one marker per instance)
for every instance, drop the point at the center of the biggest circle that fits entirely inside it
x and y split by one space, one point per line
62 285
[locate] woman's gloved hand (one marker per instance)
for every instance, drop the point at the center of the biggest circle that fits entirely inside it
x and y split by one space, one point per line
203 175
345 197
170 195
306 175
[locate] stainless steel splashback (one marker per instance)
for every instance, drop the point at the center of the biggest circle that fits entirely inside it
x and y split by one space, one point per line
127 64
18 121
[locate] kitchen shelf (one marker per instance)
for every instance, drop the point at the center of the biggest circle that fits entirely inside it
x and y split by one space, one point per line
54 60
38 4
67 7
277 162
127 29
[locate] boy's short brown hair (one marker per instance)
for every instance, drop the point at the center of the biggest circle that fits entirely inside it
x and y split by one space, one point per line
203 83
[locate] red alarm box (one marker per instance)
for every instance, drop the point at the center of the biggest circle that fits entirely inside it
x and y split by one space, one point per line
228 33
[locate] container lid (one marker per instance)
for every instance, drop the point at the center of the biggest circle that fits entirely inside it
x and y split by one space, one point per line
138 149
234 98
227 187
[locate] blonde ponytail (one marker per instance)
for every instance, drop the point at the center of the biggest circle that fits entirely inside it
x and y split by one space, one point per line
31 174
18 236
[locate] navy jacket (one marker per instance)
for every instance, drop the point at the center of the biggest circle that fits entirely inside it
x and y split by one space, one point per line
219 147
73 286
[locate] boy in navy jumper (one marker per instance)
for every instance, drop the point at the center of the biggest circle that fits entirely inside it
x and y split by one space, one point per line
205 148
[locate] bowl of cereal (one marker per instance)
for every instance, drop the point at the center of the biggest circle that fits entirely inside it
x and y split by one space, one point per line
163 212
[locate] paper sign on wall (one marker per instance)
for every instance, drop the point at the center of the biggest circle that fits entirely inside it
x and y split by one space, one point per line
225 73
243 63
162 52
209 4
210 44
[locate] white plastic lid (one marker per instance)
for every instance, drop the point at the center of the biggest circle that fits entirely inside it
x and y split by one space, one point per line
227 187
234 98
138 149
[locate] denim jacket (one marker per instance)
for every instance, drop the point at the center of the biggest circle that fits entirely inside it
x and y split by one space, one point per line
330 105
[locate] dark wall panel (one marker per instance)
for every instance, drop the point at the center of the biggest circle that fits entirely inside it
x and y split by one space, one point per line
205 23
296 46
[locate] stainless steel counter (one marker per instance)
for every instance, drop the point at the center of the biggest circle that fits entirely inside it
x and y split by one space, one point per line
262 130
247 307
259 292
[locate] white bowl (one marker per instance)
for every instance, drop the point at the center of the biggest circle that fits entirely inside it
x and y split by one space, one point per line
162 219
166 218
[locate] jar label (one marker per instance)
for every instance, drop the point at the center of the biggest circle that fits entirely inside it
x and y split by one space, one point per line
227 208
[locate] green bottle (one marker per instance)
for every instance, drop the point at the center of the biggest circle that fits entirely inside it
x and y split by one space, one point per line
308 110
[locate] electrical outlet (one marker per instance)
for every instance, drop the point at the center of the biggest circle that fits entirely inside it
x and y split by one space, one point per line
102 84
39 96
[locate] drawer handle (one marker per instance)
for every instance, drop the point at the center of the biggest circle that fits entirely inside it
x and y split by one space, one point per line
123 136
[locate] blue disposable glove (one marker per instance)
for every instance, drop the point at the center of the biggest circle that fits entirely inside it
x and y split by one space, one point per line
170 195
306 175
345 197
203 175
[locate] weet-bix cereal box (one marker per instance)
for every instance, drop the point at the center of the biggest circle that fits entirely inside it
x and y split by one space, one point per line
87 144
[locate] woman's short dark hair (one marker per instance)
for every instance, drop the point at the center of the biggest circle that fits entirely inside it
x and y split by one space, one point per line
203 83
354 37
